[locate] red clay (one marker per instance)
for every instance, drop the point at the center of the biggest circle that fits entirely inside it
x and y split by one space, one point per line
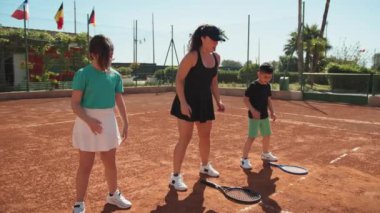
338 143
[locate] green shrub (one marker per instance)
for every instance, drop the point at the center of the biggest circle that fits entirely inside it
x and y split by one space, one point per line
248 73
351 83
166 75
127 71
227 76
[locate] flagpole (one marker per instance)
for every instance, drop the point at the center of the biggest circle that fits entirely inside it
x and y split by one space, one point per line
88 28
75 18
26 52
154 59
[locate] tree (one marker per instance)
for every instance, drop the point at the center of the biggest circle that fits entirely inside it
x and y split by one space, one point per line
324 20
287 63
312 46
376 62
248 73
291 45
231 65
64 51
320 40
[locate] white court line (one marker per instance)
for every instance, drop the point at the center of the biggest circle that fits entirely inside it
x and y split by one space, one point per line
282 120
324 118
69 121
344 155
338 158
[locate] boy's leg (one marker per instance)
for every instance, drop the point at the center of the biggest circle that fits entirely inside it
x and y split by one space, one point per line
247 147
185 130
86 160
266 144
253 130
265 132
110 170
204 131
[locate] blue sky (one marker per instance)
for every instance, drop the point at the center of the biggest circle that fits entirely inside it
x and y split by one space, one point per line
349 21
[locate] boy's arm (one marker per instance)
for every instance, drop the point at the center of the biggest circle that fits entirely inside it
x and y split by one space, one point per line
254 112
271 109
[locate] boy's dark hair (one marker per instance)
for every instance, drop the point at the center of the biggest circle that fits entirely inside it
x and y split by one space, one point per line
266 68
102 46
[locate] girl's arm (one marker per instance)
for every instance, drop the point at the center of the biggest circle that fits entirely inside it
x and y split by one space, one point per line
94 124
123 113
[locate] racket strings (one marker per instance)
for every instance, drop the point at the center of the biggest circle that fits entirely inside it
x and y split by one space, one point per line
294 169
242 195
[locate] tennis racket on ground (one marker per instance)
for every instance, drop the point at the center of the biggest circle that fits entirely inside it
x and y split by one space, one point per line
237 194
295 170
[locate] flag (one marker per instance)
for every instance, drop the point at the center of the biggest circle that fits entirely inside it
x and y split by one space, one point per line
20 13
91 20
59 17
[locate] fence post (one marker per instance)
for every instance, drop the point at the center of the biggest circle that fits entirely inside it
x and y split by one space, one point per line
373 84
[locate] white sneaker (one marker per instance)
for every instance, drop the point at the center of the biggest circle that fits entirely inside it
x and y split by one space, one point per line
177 182
245 163
268 157
209 170
118 200
79 207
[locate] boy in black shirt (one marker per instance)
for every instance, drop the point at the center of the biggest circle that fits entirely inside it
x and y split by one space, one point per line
258 100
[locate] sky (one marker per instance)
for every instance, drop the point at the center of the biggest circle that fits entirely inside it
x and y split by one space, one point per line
350 23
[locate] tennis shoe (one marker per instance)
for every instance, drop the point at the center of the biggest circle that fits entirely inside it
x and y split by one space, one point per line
79 207
268 157
209 170
118 200
245 163
177 182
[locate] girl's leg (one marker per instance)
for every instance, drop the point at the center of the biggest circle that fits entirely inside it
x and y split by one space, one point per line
109 162
247 147
185 130
204 131
86 160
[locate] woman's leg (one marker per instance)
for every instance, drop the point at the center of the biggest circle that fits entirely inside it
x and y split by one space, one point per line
86 160
185 130
109 162
204 132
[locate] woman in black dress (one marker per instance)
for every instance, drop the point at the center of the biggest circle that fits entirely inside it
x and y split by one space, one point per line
196 83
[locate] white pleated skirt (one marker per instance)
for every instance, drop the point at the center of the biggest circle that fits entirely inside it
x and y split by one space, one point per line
85 140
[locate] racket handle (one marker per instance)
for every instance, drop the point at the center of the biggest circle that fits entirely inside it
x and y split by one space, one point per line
209 183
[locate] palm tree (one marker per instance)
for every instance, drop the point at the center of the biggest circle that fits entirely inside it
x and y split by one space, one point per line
316 59
312 45
324 20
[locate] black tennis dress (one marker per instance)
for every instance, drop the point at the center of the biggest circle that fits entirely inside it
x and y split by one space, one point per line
197 93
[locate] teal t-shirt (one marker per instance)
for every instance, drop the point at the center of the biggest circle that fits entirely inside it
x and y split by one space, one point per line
99 88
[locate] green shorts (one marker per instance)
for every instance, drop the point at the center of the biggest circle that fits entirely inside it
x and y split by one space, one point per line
255 125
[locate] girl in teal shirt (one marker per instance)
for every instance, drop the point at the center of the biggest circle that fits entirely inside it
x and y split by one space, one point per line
96 89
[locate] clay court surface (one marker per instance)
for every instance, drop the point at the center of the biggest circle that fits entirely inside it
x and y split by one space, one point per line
338 143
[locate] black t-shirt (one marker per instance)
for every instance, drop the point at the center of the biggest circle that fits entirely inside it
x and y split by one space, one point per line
258 97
